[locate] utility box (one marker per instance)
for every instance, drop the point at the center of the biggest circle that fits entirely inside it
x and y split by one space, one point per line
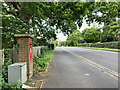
16 72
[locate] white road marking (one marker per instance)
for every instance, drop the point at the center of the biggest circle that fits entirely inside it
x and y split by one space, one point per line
102 68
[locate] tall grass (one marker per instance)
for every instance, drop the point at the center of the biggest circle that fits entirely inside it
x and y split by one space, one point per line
40 62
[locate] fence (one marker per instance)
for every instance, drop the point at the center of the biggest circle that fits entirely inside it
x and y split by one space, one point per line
36 50
12 54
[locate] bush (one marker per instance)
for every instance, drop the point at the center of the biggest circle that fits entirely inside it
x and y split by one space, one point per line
43 51
40 62
113 45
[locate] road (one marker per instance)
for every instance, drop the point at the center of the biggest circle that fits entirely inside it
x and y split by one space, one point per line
73 67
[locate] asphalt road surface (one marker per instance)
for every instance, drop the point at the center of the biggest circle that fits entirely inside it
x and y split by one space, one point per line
73 67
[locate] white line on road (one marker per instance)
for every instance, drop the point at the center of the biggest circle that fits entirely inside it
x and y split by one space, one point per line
102 68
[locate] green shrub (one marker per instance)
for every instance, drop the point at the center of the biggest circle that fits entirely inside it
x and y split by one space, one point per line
40 62
43 50
4 73
113 45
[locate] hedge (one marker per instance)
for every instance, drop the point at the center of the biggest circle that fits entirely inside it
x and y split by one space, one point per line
113 45
41 61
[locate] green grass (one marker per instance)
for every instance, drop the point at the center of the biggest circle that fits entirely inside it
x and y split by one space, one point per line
40 62
108 49
46 60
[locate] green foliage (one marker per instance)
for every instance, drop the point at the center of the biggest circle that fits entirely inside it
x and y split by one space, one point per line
109 10
5 66
113 45
10 86
74 38
11 27
110 32
40 62
83 45
55 45
43 51
91 35
60 43
44 19
4 72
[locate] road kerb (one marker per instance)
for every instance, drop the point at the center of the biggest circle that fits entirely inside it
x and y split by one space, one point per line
41 86
50 62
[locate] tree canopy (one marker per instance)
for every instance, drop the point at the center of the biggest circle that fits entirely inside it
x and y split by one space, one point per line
74 38
110 32
91 35
44 19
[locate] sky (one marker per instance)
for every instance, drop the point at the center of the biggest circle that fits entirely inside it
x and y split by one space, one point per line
61 37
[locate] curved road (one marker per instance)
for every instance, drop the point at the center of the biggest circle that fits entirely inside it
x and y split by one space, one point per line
73 67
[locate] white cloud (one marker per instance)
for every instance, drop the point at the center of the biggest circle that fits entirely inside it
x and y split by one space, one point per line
85 25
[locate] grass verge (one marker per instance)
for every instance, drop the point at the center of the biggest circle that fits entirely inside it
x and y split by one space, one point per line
40 63
108 49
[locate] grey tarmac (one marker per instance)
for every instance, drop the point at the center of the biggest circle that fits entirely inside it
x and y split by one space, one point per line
73 67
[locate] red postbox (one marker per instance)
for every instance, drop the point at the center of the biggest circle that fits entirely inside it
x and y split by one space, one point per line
30 50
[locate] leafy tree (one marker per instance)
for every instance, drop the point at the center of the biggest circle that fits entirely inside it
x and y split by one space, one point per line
60 43
74 38
108 10
91 35
45 18
38 19
110 32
